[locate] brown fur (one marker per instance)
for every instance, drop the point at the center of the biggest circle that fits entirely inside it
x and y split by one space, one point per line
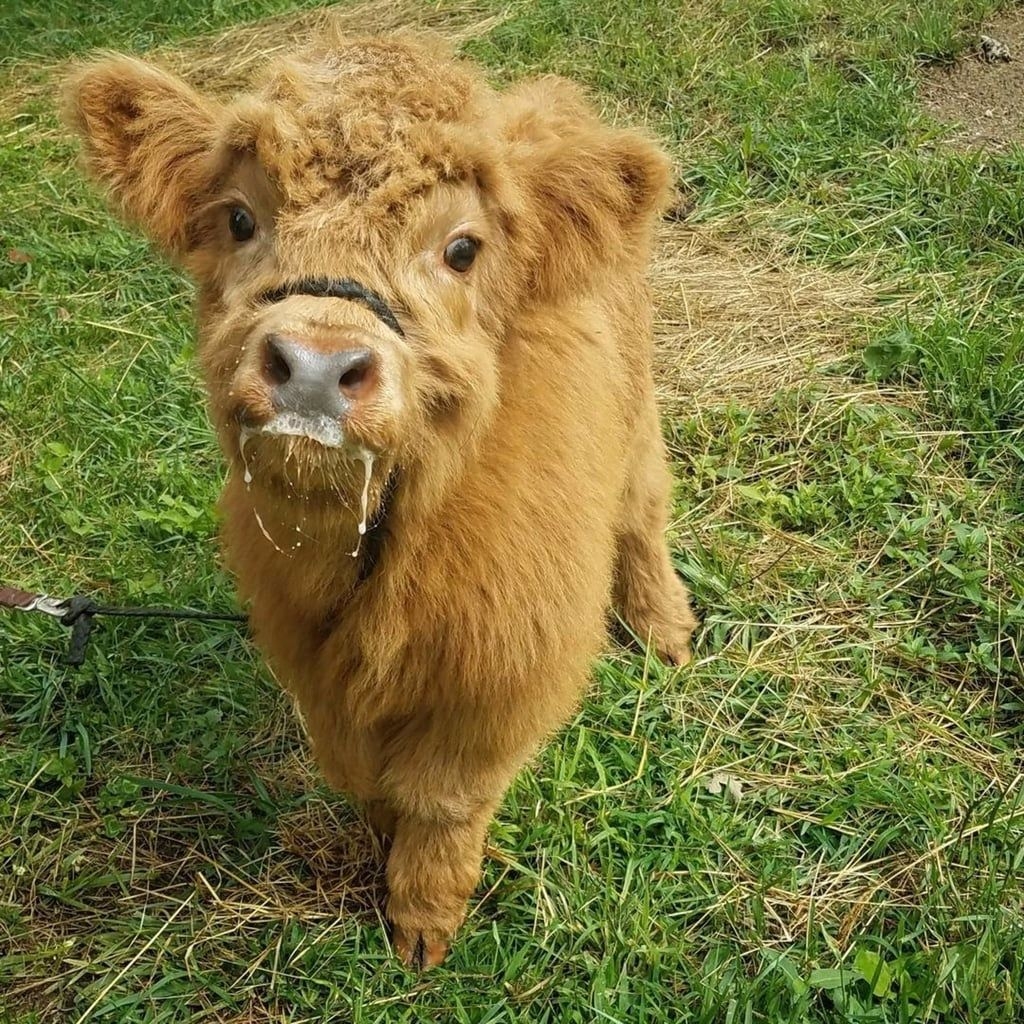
518 410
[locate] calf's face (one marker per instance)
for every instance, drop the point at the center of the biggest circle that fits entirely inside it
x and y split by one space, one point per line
325 339
362 231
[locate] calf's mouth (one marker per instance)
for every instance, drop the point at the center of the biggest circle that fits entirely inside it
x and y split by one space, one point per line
316 383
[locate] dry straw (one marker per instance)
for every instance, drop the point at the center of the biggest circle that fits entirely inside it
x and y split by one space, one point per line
229 60
732 326
222 61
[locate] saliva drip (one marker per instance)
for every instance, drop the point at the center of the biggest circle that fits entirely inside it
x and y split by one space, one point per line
366 458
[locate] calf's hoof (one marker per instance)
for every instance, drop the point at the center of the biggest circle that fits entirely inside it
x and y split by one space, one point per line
675 653
419 950
671 641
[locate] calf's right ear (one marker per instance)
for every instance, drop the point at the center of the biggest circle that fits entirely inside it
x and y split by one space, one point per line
148 140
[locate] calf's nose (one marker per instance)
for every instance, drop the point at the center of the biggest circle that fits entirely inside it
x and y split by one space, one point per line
307 380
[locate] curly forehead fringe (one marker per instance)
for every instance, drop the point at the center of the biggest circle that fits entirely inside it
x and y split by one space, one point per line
377 122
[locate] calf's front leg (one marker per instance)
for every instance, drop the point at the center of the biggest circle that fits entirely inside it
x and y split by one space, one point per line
433 868
443 773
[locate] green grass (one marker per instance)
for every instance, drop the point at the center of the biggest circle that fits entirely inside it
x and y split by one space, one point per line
54 29
854 544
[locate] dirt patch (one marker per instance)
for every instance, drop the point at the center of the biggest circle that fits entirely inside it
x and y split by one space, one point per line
734 325
982 98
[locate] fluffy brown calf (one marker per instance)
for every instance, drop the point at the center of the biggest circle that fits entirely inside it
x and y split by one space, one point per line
422 311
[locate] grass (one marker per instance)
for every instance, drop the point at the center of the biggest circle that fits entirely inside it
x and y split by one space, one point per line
849 519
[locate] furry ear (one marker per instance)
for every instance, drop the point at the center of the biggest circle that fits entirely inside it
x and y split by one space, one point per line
148 139
594 191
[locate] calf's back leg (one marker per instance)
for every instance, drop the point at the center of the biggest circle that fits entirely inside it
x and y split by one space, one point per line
649 596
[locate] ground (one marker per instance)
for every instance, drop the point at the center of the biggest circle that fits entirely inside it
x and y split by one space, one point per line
818 821
979 96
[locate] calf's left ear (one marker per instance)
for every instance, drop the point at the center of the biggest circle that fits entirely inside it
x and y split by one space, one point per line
593 191
147 138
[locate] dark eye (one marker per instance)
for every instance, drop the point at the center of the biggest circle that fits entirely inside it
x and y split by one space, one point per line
242 226
460 252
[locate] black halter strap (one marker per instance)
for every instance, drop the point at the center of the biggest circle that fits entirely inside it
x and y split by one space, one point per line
337 288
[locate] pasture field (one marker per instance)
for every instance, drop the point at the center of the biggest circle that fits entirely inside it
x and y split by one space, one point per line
821 820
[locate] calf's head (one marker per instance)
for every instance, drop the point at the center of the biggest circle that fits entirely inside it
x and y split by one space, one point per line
364 230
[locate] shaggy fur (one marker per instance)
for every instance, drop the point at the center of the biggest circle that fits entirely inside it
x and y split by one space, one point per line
515 418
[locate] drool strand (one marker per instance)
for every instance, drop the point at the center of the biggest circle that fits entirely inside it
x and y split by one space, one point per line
366 458
243 440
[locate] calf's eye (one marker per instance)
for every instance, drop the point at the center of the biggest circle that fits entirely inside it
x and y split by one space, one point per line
460 252
241 224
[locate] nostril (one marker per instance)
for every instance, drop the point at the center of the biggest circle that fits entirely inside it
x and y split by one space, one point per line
357 377
353 378
275 363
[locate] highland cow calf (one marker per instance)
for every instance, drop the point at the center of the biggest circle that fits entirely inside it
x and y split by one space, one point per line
426 336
